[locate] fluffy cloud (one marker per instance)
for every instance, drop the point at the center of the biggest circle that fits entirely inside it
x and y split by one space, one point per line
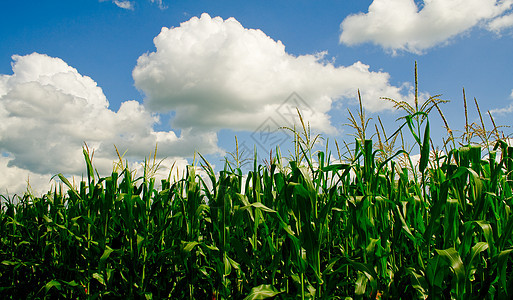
48 110
400 25
14 180
217 74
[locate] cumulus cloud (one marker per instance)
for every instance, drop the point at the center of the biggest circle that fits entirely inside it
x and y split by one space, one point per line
48 110
15 180
401 25
217 74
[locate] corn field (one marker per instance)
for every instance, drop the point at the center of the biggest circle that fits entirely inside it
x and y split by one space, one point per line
370 225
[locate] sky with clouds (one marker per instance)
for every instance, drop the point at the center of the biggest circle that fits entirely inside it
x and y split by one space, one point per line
190 75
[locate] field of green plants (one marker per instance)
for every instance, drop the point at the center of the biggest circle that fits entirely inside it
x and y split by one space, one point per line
364 222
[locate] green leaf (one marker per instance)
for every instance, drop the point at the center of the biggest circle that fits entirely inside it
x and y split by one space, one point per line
106 254
260 206
189 246
227 266
418 282
89 164
487 231
476 249
263 291
335 167
234 264
140 239
361 284
68 184
365 269
99 277
72 283
10 263
424 152
454 260
53 284
404 226
502 264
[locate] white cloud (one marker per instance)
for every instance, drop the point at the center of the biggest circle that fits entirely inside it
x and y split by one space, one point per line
400 25
501 23
504 110
217 74
124 4
48 110
159 3
14 180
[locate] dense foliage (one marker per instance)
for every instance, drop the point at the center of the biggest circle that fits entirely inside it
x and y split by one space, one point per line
323 230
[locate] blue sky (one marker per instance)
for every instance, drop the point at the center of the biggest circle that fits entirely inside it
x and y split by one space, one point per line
103 72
